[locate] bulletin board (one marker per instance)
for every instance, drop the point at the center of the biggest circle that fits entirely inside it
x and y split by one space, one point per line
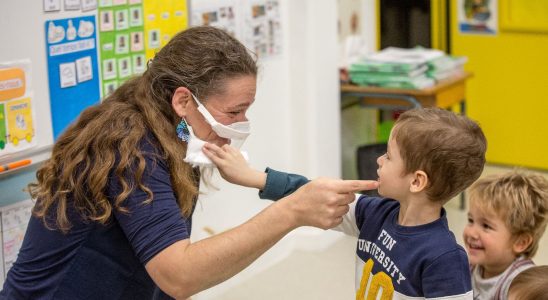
59 57
22 39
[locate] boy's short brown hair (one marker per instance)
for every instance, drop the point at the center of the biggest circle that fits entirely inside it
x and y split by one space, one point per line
530 284
449 148
519 198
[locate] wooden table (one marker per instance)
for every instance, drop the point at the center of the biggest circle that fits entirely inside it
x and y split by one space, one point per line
444 94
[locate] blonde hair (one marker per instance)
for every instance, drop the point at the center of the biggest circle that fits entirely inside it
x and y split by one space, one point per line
519 198
449 148
530 284
104 140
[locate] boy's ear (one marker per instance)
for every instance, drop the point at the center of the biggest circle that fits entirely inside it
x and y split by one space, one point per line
419 181
522 242
182 97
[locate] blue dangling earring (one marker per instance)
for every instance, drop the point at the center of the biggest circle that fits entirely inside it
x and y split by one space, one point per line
182 131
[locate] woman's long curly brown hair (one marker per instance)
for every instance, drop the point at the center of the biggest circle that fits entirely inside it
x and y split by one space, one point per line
105 138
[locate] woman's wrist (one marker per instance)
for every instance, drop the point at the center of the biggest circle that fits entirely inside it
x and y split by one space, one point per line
288 212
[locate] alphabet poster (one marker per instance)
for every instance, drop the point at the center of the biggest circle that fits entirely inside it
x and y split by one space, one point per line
72 69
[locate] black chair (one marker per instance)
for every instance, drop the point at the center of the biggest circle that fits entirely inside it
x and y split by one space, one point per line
367 163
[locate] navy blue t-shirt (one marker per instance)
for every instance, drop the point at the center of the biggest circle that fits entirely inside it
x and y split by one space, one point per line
94 261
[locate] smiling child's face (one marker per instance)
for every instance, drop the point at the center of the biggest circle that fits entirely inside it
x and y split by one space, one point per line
488 241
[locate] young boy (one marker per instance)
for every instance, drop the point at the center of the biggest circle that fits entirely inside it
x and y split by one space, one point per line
506 218
530 284
405 248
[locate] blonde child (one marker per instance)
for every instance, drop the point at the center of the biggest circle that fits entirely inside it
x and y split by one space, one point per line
531 284
506 219
404 249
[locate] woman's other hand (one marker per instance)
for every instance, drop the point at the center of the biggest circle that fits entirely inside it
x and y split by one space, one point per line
233 166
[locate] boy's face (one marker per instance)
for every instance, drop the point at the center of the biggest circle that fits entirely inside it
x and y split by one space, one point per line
488 241
392 181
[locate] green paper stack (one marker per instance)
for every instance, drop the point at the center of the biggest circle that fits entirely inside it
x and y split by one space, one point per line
445 67
414 68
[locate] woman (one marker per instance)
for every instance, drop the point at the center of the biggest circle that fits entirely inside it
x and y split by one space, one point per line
114 202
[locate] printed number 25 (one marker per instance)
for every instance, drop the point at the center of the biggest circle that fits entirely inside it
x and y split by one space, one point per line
378 280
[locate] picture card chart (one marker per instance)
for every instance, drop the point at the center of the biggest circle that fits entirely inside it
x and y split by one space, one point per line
15 219
16 111
72 68
121 42
223 14
263 27
255 23
163 19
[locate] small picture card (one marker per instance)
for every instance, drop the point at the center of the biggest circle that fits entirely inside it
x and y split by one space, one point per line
52 5
106 21
88 5
138 64
110 87
154 39
121 19
137 43
105 3
122 44
124 67
109 69
135 16
83 69
67 74
72 4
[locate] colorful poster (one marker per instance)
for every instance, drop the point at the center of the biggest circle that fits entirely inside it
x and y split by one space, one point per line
19 121
16 112
263 28
15 219
162 20
222 14
72 68
477 16
121 43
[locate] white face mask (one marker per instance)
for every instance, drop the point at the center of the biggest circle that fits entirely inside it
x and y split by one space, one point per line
237 133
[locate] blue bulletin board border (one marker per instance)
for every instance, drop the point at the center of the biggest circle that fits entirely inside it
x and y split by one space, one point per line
71 49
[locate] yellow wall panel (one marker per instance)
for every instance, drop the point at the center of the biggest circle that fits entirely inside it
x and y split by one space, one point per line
508 94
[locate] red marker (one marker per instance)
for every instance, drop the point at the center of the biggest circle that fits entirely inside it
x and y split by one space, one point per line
14 165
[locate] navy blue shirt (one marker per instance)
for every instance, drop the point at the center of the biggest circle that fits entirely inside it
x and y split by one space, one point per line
411 262
94 261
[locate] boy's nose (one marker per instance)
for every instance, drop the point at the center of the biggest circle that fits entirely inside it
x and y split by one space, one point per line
379 160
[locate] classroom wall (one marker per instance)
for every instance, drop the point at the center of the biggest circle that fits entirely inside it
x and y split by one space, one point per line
295 127
295 124
508 94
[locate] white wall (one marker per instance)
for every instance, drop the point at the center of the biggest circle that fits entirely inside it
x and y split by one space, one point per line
295 122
